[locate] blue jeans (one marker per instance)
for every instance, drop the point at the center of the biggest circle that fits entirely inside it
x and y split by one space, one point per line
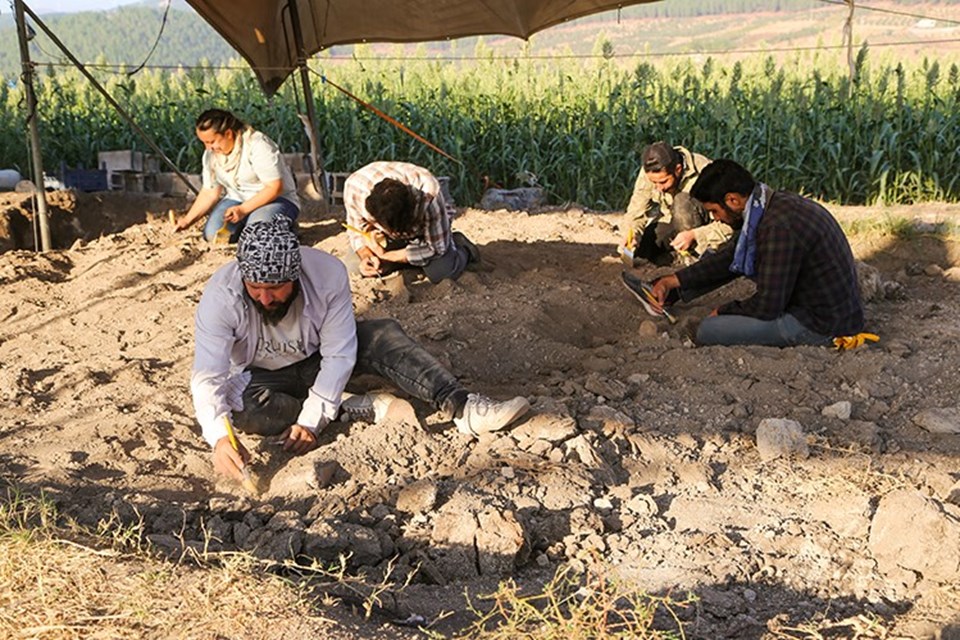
785 331
273 399
266 213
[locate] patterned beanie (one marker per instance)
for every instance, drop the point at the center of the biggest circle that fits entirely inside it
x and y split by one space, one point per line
269 252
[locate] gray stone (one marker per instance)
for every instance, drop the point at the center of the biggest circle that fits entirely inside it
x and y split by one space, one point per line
841 410
500 538
581 449
781 438
329 539
914 534
544 426
536 447
172 545
866 434
285 520
323 474
642 505
939 420
648 329
603 505
953 497
950 632
241 532
898 348
219 530
275 545
608 420
474 537
846 513
419 497
521 199
608 388
873 287
870 281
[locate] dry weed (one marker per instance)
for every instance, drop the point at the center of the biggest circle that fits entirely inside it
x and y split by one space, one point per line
62 582
572 607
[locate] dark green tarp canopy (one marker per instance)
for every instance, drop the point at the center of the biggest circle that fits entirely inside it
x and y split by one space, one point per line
261 30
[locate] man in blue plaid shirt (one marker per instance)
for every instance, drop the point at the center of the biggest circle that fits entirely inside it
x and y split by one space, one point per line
791 247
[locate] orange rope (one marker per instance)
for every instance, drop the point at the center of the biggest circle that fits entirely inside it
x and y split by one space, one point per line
392 121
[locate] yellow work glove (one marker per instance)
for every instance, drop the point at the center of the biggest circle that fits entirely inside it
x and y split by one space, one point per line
845 343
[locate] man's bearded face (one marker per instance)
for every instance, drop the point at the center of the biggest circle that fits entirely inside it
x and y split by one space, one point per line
272 301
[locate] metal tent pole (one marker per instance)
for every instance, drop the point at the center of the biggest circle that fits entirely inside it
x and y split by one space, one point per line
308 100
27 78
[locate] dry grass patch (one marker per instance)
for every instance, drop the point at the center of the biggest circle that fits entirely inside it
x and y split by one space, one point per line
573 607
58 581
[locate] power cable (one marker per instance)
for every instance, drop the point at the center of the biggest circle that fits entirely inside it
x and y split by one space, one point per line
163 24
890 11
118 68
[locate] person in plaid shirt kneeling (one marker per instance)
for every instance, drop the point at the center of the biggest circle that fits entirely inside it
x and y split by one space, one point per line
397 217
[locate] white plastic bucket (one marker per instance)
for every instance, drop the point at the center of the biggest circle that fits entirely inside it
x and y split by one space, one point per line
9 179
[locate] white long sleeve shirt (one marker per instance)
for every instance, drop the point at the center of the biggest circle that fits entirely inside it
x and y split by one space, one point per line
226 333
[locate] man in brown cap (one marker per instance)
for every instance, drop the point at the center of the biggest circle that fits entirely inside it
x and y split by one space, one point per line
663 219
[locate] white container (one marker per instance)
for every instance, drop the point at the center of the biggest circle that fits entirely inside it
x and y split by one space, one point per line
9 179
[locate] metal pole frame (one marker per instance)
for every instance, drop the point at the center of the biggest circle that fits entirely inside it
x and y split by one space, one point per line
308 100
35 152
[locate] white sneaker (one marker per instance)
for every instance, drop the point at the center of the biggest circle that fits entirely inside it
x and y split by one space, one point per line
366 407
484 415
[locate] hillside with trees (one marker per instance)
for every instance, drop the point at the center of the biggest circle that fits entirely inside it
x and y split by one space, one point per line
124 36
120 36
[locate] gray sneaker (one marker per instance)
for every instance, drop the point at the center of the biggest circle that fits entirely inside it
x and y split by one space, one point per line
484 415
366 407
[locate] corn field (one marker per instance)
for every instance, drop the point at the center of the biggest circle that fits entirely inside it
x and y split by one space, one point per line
892 135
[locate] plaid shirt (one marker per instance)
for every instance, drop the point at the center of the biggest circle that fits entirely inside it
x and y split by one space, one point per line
432 239
804 267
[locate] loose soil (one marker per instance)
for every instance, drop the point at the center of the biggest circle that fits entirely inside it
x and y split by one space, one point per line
640 451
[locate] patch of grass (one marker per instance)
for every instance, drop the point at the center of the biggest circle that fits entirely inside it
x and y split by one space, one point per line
573 607
899 227
61 581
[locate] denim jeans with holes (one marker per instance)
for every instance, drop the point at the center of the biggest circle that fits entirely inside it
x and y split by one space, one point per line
273 399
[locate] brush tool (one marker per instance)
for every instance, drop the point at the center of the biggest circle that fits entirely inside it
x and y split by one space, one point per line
223 235
247 482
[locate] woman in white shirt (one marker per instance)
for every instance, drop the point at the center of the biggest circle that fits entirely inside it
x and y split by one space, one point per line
244 178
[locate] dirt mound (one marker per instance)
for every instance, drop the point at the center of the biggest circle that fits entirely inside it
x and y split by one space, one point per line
640 450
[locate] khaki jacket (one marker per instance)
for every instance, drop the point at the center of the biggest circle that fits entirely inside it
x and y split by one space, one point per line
648 205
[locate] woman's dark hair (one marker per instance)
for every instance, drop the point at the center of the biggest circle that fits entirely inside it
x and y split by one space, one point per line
219 121
719 178
393 205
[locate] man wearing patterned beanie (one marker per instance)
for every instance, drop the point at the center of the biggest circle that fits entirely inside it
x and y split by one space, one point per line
276 342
